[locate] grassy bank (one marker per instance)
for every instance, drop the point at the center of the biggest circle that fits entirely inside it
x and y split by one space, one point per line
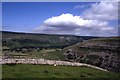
46 71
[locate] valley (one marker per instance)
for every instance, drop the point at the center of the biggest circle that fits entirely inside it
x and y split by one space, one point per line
99 52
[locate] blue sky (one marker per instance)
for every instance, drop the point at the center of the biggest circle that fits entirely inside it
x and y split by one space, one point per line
33 17
21 16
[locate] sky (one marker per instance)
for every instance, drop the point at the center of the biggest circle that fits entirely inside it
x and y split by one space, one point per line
76 18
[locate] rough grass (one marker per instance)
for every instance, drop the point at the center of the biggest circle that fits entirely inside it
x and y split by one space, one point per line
47 71
46 54
51 54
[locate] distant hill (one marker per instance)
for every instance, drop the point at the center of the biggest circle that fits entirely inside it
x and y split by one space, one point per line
102 52
15 40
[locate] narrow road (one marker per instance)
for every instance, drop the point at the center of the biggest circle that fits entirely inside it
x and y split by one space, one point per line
49 62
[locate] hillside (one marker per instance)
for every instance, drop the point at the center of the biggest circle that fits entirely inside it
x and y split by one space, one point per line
16 41
102 52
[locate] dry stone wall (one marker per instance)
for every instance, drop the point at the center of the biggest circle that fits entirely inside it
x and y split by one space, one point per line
48 62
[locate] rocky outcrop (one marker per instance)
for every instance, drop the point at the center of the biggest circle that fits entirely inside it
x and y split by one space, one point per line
103 53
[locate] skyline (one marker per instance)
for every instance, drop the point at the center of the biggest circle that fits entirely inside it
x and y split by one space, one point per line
76 18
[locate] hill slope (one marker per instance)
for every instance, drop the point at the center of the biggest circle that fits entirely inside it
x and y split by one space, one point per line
15 40
102 52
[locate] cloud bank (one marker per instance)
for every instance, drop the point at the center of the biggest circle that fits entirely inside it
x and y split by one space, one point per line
102 11
93 22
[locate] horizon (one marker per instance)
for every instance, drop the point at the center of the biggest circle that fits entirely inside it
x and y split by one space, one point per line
71 18
57 34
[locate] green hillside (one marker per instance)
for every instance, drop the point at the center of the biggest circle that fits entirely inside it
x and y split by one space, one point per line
34 45
16 41
102 52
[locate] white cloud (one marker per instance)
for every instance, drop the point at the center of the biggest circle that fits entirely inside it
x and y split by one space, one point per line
102 11
93 22
70 24
80 6
77 7
110 0
67 20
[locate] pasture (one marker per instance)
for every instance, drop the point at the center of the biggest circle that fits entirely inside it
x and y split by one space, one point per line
50 71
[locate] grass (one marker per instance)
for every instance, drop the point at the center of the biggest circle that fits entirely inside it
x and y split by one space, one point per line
51 54
48 54
47 71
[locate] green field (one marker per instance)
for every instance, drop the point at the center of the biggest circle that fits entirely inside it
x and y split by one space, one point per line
47 71
51 54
